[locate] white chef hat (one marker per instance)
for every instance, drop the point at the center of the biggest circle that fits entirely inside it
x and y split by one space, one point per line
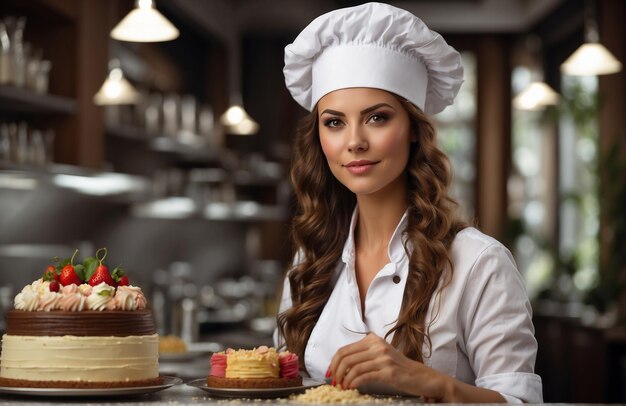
373 45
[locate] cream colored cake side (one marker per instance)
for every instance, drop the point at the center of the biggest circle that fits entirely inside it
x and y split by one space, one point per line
71 358
253 364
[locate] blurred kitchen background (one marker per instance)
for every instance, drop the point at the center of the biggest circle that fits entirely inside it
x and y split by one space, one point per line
175 156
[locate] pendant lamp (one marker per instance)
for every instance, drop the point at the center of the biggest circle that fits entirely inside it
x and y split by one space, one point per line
536 96
235 119
591 58
116 89
144 24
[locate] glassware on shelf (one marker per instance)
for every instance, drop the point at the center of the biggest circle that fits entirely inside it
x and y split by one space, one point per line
37 149
24 146
19 65
14 71
42 79
48 138
206 123
5 55
12 142
188 114
171 114
153 114
32 68
22 143
5 142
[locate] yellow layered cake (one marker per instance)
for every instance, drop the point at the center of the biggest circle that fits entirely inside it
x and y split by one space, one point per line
261 367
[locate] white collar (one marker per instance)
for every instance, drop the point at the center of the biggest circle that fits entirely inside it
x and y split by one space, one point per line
395 249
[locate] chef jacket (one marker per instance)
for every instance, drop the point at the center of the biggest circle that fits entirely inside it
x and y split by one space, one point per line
481 331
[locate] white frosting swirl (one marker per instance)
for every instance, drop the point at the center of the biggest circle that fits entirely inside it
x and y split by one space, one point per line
27 299
41 287
38 297
100 297
85 289
69 289
48 301
129 298
72 302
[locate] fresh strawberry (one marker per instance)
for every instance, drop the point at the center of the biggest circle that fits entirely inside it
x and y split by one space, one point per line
50 274
69 276
54 286
101 275
123 281
68 273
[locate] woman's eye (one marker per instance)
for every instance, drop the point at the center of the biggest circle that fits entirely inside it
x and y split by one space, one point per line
333 122
377 118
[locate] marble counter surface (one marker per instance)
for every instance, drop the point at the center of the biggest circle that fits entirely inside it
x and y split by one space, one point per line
182 394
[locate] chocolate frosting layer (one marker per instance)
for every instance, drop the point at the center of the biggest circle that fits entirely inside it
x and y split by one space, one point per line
86 323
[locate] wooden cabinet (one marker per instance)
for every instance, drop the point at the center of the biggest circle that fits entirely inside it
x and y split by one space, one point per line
73 36
578 363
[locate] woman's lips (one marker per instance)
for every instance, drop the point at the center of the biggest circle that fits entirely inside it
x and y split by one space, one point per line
359 167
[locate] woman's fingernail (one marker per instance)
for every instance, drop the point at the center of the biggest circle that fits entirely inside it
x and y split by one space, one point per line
328 373
334 382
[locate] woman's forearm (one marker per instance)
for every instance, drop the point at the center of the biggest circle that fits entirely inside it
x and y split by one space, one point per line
460 392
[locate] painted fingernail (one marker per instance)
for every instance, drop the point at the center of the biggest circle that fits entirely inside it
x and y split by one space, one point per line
334 382
328 373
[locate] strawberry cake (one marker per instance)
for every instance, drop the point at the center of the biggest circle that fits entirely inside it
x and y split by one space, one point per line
93 331
261 367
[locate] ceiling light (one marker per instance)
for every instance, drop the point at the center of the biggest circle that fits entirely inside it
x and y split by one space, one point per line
116 89
536 96
237 121
144 24
591 58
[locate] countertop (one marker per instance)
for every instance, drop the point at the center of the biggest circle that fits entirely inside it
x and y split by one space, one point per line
182 394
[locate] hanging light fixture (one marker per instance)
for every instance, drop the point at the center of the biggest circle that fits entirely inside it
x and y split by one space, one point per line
536 96
116 89
591 58
144 24
235 119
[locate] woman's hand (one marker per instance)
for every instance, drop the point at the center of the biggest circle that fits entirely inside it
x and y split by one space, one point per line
373 359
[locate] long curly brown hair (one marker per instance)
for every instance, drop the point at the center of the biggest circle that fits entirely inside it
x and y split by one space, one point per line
321 226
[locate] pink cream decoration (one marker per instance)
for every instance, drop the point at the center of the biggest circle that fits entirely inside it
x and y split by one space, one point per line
289 366
218 364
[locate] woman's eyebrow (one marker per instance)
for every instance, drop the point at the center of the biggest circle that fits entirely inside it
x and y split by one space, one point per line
376 106
363 112
332 112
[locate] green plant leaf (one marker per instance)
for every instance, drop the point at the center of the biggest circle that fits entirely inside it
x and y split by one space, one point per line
80 271
90 264
61 264
117 273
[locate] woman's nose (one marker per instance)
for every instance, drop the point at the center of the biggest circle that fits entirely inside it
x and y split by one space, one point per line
357 141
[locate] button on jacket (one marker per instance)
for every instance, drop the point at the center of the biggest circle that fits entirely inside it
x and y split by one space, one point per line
481 331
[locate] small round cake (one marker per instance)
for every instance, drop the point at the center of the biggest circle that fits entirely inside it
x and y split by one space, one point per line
259 368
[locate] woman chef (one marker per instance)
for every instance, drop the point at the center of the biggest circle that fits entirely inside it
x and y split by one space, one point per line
388 286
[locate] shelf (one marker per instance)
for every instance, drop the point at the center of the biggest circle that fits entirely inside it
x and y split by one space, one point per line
176 208
108 185
17 100
195 148
239 177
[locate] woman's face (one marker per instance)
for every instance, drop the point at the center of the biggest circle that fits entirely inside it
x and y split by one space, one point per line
365 135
